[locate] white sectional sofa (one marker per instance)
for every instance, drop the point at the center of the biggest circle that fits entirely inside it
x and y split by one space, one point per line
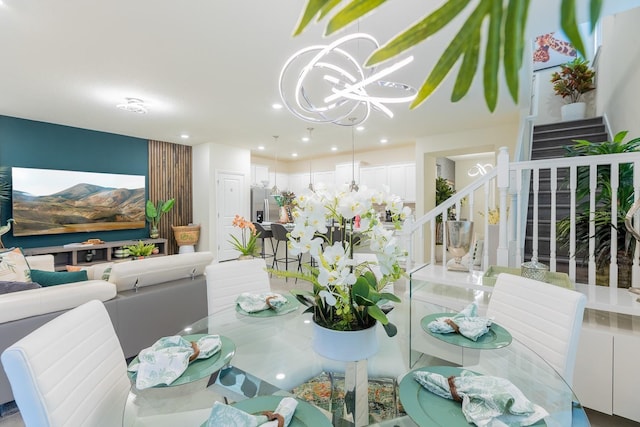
146 299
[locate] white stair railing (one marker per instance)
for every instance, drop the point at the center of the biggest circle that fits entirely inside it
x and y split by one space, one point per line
512 182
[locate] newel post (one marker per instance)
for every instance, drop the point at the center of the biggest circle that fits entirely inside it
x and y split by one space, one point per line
503 188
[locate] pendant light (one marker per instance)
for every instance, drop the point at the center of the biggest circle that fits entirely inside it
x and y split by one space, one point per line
353 186
310 174
275 191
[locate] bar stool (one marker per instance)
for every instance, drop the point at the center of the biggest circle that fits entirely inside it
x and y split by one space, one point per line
280 235
265 234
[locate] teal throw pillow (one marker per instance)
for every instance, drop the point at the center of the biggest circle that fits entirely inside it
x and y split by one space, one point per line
51 278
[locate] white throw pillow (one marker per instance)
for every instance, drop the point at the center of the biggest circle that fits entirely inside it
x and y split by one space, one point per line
14 267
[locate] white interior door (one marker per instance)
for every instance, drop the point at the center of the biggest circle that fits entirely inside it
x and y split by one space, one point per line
231 202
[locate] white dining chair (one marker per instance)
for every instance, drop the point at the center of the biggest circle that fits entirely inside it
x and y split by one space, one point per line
71 372
544 317
226 280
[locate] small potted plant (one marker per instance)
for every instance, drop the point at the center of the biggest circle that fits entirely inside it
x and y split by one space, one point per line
140 249
247 243
574 79
154 212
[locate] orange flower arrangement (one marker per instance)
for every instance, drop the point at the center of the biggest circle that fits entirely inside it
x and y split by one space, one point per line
248 234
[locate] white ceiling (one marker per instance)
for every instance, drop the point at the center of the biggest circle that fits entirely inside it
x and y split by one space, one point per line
209 68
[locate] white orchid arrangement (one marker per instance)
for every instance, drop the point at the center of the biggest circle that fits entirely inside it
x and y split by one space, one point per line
328 225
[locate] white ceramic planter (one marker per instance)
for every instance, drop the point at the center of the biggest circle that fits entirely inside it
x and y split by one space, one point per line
575 111
345 346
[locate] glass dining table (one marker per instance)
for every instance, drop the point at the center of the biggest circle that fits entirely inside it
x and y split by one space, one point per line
266 356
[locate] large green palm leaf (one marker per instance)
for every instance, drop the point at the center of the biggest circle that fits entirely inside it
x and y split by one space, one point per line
504 39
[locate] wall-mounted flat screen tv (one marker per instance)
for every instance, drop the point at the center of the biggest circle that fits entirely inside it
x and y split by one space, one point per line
47 201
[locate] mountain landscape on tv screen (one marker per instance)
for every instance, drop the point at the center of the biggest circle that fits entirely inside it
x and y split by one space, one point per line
82 207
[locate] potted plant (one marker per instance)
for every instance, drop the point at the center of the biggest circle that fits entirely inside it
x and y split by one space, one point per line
444 190
140 249
602 215
574 79
154 212
346 295
247 245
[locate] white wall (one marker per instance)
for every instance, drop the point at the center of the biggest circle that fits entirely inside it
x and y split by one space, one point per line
209 159
618 73
549 103
456 143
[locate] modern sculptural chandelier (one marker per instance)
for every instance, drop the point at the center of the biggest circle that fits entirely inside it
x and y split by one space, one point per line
327 84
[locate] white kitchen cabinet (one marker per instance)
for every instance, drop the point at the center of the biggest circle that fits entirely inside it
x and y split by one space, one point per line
298 182
402 181
592 378
374 177
346 172
626 387
282 180
259 173
327 178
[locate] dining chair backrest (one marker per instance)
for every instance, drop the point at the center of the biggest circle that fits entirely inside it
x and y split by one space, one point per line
544 317
70 371
226 280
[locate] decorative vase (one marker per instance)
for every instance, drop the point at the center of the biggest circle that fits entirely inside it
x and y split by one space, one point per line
459 237
345 346
574 111
284 215
154 233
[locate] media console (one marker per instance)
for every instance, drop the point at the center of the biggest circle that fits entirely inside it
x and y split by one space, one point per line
84 255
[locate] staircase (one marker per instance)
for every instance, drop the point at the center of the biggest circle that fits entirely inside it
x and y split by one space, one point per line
549 142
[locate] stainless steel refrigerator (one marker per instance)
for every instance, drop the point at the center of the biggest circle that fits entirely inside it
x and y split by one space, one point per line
263 206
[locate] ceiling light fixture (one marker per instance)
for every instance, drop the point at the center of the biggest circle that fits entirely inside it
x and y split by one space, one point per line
260 147
275 191
134 105
184 136
327 84
334 148
360 128
294 154
276 106
384 141
310 174
479 169
353 186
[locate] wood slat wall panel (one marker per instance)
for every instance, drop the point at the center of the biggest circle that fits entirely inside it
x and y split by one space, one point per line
170 176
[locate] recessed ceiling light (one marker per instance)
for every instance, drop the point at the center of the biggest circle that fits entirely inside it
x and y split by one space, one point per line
384 141
134 105
334 148
360 128
184 136
294 154
276 106
261 147
305 139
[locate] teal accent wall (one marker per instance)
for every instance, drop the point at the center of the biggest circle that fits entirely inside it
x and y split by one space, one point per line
32 144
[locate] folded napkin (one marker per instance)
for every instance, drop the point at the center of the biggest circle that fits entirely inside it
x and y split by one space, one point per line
466 323
252 303
169 357
486 401
228 416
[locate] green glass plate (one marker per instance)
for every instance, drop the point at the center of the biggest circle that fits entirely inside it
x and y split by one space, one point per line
200 368
306 415
429 409
497 337
291 305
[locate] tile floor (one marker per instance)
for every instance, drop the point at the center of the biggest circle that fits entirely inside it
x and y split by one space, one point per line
597 419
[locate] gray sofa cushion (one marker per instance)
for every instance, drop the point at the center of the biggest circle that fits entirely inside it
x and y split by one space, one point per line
8 287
